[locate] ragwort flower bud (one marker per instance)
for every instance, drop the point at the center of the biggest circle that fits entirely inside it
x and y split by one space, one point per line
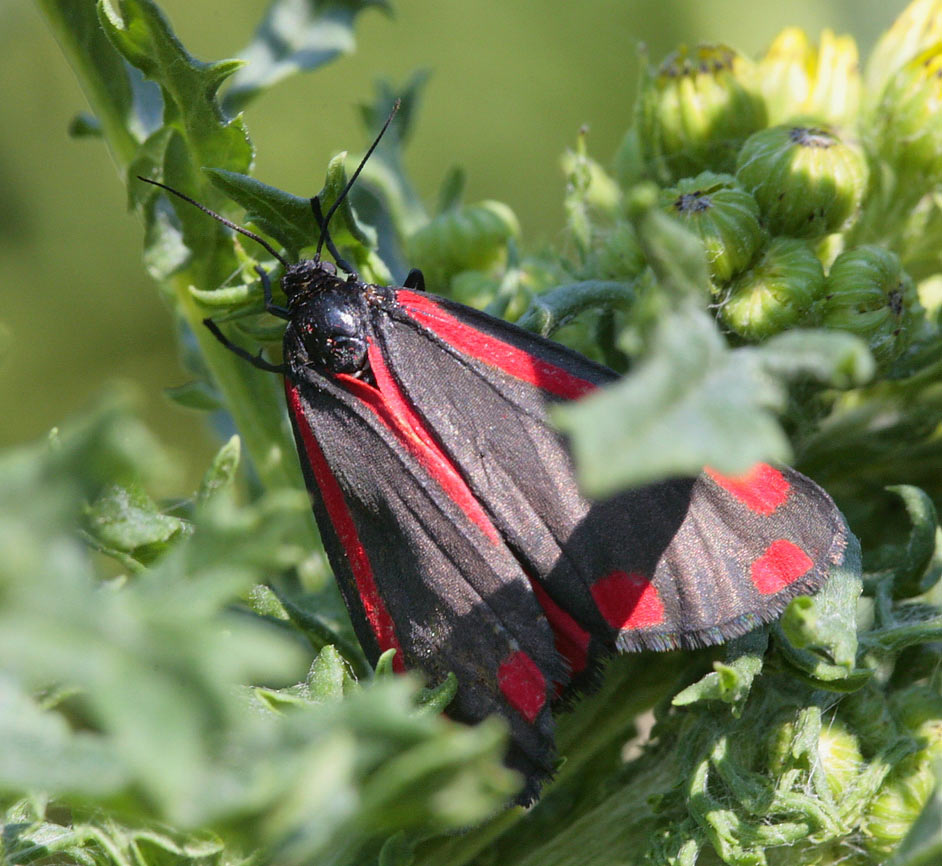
900 801
798 79
836 86
696 111
777 293
473 288
908 121
918 26
807 181
919 710
785 74
869 294
725 217
469 238
840 758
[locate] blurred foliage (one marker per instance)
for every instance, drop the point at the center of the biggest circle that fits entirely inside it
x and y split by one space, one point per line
179 681
506 104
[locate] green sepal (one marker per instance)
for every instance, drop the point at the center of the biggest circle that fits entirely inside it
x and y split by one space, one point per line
731 681
436 699
818 634
807 180
695 110
778 292
723 215
384 664
222 471
330 677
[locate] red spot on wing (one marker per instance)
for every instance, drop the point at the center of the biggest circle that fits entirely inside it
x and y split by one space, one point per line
762 489
572 641
523 684
340 518
494 351
781 565
628 601
390 405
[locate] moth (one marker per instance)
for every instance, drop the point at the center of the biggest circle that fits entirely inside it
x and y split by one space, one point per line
450 512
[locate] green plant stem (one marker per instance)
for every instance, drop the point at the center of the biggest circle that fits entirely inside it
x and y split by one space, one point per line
548 313
252 396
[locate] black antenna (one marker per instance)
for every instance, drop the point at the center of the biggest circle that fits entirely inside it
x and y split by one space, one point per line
319 219
315 205
219 218
356 174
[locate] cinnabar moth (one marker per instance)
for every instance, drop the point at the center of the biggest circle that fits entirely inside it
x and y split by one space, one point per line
451 515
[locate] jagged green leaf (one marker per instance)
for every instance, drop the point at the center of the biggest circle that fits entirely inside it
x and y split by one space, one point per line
139 30
830 357
691 402
820 634
913 567
285 217
128 520
295 36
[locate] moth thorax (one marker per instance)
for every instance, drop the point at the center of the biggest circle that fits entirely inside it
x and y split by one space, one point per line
333 328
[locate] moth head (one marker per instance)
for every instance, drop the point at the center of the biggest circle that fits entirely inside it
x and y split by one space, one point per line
307 277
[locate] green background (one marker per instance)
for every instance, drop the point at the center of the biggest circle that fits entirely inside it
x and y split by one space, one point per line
511 84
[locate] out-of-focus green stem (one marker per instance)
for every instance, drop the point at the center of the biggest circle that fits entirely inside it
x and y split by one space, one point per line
99 70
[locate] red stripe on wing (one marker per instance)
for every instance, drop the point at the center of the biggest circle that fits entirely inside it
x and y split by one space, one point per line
340 518
493 351
391 407
522 683
571 640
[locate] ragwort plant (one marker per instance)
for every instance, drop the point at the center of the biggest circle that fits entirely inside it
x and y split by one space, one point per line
763 261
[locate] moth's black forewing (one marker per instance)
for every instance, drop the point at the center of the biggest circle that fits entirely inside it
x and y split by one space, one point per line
459 603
